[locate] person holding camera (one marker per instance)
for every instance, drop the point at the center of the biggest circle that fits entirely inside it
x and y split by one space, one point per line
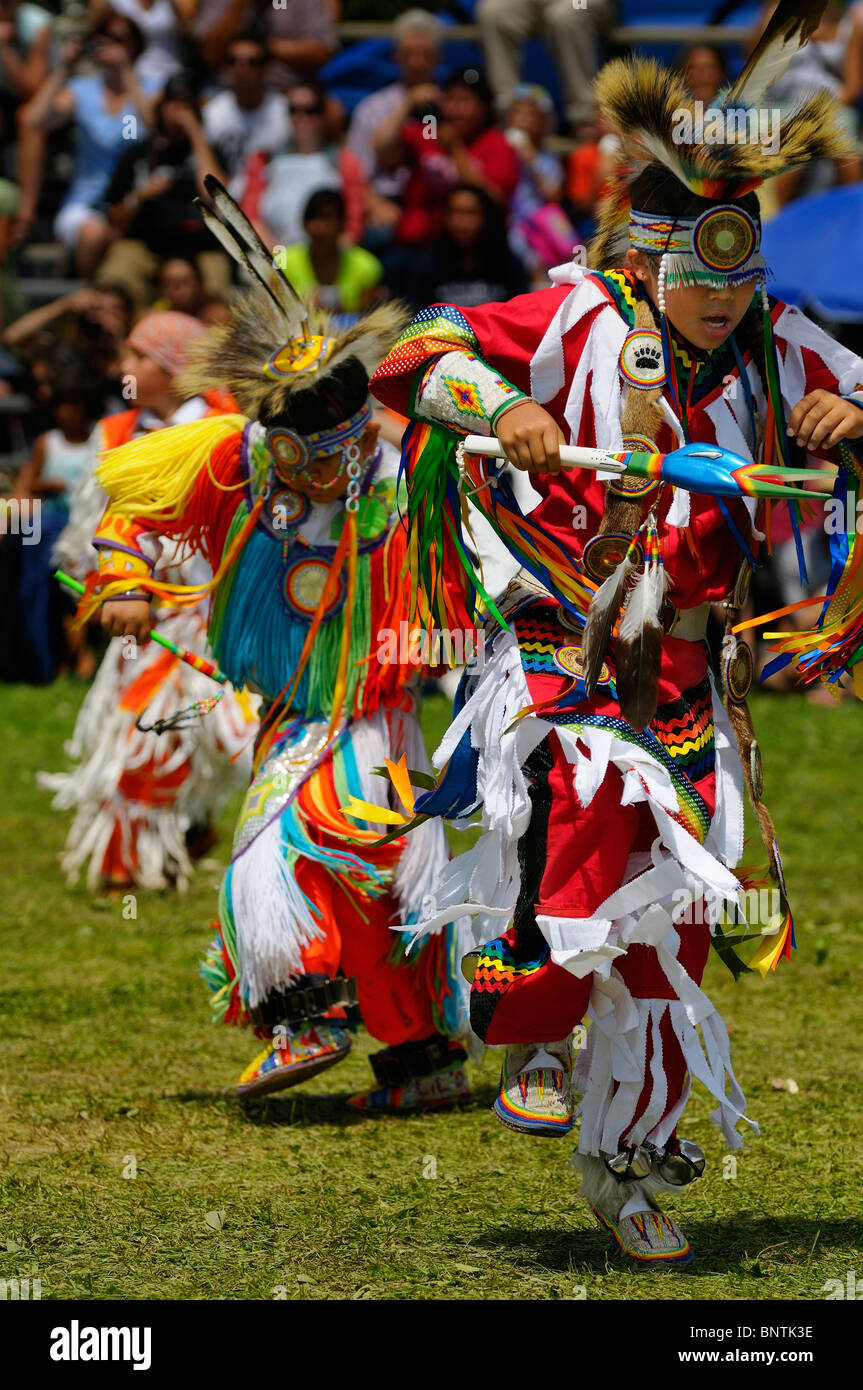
151 200
417 38
110 110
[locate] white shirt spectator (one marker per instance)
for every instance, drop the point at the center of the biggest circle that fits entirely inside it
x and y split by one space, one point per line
161 30
292 179
235 132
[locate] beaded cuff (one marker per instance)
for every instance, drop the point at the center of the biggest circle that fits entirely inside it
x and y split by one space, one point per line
460 389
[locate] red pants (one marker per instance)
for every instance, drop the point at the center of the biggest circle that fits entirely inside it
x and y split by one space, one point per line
395 998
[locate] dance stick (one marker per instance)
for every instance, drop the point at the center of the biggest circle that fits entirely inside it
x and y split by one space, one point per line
703 468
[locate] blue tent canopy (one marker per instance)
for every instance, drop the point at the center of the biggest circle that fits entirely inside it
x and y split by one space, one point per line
813 248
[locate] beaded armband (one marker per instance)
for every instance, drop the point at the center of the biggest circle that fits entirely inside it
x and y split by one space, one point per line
460 389
851 450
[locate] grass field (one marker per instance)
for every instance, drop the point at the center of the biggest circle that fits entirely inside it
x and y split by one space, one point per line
110 1066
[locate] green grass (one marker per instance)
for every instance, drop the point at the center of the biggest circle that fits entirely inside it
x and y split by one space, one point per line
108 1055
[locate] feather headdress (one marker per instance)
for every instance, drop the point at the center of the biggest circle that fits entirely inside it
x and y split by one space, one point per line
719 154
277 346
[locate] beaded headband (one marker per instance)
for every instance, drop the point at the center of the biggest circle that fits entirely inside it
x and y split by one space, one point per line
720 247
292 451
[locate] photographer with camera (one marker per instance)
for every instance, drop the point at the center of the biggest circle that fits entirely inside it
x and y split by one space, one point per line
110 109
151 200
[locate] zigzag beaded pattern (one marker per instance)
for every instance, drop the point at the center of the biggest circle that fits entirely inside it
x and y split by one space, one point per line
497 967
538 640
684 727
620 288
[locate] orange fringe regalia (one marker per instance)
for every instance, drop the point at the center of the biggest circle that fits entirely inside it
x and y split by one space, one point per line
302 595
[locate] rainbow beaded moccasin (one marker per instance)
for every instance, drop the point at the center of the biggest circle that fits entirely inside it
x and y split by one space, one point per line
648 1237
294 1056
535 1093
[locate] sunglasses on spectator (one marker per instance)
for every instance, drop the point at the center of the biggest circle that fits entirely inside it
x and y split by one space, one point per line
237 61
306 110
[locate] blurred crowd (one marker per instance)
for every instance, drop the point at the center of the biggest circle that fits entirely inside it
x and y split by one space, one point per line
453 183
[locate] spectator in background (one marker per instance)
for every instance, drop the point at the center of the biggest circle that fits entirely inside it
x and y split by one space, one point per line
61 457
300 34
110 111
181 290
417 51
301 37
97 318
471 261
11 299
343 278
589 171
25 43
541 234
161 23
571 35
25 47
704 70
832 61
151 200
458 143
245 117
278 188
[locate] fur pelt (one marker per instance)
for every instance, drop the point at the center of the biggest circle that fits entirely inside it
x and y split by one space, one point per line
600 1189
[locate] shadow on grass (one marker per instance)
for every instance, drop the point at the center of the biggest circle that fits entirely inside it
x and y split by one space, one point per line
296 1107
721 1247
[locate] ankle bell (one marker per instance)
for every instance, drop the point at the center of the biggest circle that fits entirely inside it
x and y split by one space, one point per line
630 1165
680 1165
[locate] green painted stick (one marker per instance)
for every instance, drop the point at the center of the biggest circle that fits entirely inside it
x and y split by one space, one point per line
198 663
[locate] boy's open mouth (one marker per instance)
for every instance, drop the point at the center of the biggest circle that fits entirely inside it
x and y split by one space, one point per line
716 325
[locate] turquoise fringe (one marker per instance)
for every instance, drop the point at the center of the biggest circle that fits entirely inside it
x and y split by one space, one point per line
256 640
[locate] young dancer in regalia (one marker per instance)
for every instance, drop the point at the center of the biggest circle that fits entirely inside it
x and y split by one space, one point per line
293 504
143 802
607 751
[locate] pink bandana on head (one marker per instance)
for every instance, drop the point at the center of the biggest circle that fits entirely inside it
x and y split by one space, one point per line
166 338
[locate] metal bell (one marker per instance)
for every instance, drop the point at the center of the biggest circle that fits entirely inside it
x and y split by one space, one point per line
682 1165
629 1165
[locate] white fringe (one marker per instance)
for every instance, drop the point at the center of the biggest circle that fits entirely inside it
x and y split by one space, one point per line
273 920
426 852
105 745
484 884
272 917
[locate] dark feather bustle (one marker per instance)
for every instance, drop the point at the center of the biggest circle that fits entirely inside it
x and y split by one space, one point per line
269 315
639 649
601 617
